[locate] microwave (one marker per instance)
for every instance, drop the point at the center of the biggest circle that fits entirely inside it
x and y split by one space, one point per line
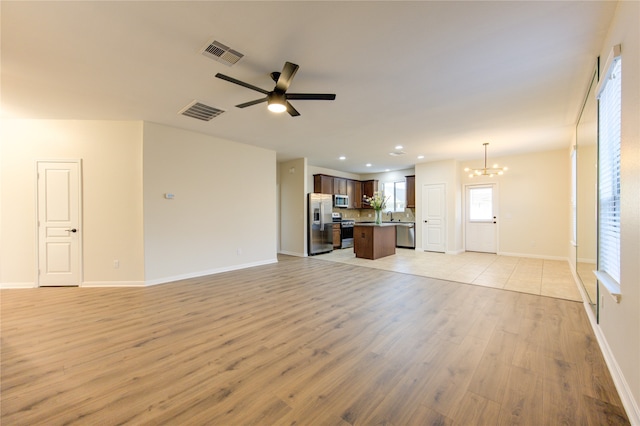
341 201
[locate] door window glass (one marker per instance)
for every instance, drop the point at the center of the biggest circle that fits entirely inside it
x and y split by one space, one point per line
480 204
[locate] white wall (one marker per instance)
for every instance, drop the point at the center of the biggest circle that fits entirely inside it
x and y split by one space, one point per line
394 176
534 203
620 322
446 172
293 206
111 153
223 216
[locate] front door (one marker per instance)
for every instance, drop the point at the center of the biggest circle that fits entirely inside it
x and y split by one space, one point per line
481 218
433 221
59 241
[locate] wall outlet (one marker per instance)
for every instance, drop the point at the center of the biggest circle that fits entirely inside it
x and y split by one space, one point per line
369 215
116 264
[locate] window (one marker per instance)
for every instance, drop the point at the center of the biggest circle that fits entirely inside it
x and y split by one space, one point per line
480 204
397 193
609 121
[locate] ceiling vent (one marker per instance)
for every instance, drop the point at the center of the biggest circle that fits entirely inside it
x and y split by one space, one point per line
221 53
200 111
397 153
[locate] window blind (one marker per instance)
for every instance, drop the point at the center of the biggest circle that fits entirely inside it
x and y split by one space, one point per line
609 120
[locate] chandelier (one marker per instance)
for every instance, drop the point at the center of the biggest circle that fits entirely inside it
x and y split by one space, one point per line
486 171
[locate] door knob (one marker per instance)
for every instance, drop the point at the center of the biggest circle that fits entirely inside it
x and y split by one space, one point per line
72 230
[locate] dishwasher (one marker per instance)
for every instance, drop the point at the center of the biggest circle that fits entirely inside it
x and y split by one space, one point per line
406 235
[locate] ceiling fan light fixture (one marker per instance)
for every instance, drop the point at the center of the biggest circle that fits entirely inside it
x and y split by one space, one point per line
276 102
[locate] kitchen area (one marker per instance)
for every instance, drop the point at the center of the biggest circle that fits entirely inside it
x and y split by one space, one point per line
340 218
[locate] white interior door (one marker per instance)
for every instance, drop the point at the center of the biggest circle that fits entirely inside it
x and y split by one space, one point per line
433 218
481 218
59 242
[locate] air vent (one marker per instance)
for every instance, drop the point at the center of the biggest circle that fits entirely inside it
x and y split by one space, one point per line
397 153
221 53
200 111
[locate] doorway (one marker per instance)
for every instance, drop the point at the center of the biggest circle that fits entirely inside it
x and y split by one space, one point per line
481 232
433 219
59 256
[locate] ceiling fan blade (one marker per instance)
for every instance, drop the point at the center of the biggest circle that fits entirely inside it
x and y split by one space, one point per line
247 104
288 71
242 83
312 96
292 111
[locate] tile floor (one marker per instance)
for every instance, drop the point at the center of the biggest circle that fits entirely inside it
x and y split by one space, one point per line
526 275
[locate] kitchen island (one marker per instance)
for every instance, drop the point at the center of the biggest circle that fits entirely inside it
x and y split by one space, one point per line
371 241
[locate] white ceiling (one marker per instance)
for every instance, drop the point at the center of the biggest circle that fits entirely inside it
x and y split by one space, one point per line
438 78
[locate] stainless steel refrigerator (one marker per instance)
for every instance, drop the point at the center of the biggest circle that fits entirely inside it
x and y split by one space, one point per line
320 223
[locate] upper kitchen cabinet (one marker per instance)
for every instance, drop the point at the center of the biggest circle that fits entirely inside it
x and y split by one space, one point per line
368 188
351 192
357 195
323 184
411 191
355 189
340 186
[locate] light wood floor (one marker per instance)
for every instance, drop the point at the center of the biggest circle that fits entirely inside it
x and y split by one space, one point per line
304 342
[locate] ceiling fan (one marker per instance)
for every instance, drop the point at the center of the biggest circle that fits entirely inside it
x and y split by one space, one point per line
278 99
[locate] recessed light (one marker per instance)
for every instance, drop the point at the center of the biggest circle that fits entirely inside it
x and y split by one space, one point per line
387 170
398 146
368 164
420 157
342 157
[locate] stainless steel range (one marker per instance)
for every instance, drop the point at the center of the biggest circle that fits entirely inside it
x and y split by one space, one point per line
346 229
346 232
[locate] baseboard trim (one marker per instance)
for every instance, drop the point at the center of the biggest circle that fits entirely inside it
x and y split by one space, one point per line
95 284
454 251
292 253
534 256
624 391
207 272
17 285
421 249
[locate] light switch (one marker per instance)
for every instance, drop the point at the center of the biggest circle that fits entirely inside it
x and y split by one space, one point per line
168 196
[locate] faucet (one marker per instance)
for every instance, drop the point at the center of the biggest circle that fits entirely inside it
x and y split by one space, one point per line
390 213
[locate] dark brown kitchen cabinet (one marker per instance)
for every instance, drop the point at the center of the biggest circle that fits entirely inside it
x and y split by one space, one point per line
355 189
337 243
374 241
339 186
323 184
411 191
368 188
357 198
351 192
